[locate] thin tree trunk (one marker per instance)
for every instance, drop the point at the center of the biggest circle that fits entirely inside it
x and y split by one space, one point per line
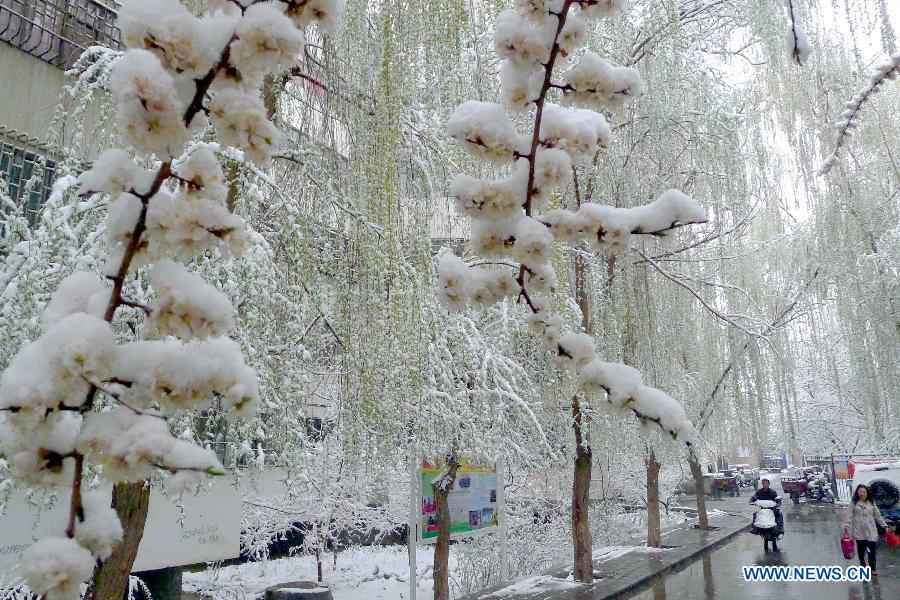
581 494
441 490
654 534
582 541
131 501
700 490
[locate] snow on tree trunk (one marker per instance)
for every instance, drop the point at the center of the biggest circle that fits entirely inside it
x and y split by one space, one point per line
654 534
441 487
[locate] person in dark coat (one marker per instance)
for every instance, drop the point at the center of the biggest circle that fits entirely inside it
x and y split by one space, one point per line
767 493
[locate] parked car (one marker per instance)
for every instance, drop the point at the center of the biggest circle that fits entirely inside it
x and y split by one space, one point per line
884 482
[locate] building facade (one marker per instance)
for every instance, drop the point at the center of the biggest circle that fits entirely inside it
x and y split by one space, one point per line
39 41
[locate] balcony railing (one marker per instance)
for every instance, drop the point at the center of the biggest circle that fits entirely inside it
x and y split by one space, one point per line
57 31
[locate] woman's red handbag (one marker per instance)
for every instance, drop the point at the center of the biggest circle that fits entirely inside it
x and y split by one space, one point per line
847 546
892 539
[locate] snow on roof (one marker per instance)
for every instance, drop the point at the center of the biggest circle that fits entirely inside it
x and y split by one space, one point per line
878 467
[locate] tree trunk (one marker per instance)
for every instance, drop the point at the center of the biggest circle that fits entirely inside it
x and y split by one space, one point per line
581 494
654 535
582 542
441 490
131 501
700 490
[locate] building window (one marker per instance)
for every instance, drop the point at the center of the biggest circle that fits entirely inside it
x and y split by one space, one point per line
57 31
28 176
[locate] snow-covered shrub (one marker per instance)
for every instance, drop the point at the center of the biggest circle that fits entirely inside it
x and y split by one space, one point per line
78 396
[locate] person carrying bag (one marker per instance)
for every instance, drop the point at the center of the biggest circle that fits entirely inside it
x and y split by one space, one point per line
861 523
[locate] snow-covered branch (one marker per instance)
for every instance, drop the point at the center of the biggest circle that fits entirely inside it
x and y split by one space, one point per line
849 120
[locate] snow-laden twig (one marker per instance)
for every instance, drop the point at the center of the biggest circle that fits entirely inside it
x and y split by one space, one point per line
849 119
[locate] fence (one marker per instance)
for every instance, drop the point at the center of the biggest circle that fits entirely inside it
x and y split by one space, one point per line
57 31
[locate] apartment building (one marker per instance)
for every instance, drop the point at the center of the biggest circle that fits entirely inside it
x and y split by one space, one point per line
39 41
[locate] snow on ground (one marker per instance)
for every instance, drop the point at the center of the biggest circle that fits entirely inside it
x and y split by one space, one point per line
373 573
541 583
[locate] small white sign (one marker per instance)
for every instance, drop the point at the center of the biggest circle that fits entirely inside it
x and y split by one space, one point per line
204 528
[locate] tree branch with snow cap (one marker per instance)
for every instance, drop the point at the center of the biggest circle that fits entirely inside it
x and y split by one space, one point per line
179 73
508 215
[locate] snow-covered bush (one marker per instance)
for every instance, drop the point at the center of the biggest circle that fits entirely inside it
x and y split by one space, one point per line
77 396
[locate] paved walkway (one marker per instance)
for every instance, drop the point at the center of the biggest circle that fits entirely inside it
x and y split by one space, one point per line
811 538
708 565
621 574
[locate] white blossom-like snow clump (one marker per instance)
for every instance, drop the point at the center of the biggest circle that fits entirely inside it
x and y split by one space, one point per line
670 208
54 370
658 406
240 120
150 111
619 381
188 307
485 130
595 83
113 172
130 447
100 530
267 40
80 292
176 376
55 568
516 38
201 176
482 199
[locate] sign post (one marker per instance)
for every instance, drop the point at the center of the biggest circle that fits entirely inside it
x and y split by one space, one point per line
412 532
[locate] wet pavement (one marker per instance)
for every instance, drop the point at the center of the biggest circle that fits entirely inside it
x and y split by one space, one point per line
811 538
707 565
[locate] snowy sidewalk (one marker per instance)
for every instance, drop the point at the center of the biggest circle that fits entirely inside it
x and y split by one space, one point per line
624 572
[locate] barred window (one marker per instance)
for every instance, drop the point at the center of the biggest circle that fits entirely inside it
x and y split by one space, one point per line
28 176
57 31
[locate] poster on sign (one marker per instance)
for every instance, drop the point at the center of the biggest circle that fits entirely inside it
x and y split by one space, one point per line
475 501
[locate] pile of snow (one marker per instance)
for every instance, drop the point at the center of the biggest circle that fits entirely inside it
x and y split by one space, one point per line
535 585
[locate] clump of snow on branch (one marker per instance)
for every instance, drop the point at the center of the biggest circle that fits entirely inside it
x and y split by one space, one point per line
188 307
100 530
485 130
509 225
56 567
80 292
76 396
797 41
596 83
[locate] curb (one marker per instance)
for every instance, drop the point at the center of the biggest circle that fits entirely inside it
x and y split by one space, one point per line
626 585
629 587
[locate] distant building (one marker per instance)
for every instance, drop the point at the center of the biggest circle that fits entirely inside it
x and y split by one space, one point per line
39 40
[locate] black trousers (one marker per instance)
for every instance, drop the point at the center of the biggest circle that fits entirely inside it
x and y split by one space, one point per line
862 548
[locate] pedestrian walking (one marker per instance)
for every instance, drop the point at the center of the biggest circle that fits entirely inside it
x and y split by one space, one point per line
861 521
